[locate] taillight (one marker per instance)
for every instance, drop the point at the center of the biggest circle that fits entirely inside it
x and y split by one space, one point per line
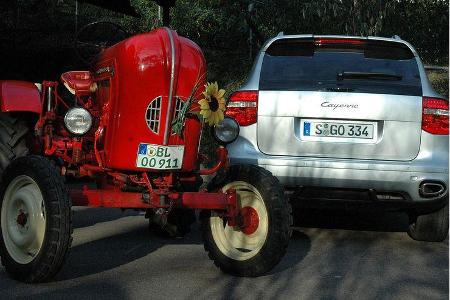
435 115
243 107
338 41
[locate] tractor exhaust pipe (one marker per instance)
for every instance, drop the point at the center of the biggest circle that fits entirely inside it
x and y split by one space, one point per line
431 189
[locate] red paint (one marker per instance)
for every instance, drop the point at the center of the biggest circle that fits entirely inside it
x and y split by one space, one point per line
128 76
19 96
205 200
107 198
111 197
79 81
222 155
250 220
140 69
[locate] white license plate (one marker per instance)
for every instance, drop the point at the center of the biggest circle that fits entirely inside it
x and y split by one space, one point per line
338 130
159 157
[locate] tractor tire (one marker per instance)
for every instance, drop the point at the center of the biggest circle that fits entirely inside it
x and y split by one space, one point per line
255 249
36 219
13 134
432 227
176 225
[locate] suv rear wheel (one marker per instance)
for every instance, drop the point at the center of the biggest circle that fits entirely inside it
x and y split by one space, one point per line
431 227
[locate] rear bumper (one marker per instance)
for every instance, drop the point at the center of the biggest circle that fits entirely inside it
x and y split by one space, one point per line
404 177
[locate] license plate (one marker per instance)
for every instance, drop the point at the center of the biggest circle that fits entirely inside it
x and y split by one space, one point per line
159 157
339 131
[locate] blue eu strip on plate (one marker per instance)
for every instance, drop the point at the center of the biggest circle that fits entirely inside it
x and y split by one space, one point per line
142 149
306 129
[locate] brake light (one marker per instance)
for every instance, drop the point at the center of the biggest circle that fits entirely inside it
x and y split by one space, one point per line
243 107
435 115
338 41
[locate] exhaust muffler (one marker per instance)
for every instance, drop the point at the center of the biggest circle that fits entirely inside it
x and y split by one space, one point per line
431 189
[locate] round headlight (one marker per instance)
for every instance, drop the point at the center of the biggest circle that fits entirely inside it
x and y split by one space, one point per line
78 120
226 131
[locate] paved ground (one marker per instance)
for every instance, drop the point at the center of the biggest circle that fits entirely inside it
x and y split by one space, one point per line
113 256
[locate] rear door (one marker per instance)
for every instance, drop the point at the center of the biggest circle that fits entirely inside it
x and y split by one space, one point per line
340 98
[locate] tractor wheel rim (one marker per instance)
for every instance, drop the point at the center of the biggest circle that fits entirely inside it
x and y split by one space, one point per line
234 242
23 219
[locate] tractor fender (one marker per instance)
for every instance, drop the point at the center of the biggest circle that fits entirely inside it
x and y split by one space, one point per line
20 96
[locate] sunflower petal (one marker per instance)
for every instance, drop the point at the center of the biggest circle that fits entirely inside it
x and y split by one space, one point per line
220 115
206 113
220 93
203 104
217 117
209 89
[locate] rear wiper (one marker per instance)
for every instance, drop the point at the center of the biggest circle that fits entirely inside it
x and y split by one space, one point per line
368 75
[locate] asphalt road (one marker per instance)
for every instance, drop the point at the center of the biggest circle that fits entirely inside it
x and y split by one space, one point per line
339 255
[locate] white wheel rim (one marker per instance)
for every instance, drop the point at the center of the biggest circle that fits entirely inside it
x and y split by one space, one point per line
231 241
23 219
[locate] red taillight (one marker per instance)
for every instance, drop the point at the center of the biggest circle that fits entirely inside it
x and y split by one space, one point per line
435 115
338 41
243 107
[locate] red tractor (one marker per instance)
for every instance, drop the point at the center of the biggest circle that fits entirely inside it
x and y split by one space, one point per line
114 125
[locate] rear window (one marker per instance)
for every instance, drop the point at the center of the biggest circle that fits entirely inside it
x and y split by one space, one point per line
369 67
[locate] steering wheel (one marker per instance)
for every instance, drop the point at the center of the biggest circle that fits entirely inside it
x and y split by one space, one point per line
94 37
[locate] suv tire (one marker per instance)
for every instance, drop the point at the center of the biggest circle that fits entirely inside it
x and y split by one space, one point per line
431 227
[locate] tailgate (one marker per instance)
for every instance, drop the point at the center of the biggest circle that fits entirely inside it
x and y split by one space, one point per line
340 98
395 121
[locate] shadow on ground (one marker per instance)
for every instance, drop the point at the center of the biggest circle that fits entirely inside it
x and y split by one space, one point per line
104 254
113 251
332 254
363 219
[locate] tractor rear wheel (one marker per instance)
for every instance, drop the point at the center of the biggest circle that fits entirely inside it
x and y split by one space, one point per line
13 134
259 243
35 218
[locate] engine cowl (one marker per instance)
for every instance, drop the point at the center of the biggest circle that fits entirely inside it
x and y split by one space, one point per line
143 82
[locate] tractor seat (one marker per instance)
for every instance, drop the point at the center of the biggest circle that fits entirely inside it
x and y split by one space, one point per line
79 83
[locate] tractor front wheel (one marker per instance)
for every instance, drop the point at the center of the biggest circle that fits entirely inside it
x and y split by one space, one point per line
35 218
260 241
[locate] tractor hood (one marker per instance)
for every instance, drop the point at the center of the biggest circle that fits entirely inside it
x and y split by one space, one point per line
143 82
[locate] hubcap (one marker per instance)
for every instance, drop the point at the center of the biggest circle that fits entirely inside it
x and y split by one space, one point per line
250 220
23 219
244 241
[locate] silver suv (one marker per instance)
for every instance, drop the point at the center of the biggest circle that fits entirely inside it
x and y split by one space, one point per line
350 114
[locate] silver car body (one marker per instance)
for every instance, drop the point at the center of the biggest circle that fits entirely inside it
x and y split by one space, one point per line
399 159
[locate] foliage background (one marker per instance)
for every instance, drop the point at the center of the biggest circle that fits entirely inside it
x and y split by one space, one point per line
37 36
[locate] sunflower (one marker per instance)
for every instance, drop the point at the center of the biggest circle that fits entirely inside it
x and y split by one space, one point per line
213 104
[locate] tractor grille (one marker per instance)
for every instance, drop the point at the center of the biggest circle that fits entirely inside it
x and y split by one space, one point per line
153 115
179 104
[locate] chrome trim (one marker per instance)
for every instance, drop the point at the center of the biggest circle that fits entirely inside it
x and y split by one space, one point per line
172 79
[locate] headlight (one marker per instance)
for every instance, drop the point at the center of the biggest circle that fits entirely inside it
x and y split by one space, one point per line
226 131
78 120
